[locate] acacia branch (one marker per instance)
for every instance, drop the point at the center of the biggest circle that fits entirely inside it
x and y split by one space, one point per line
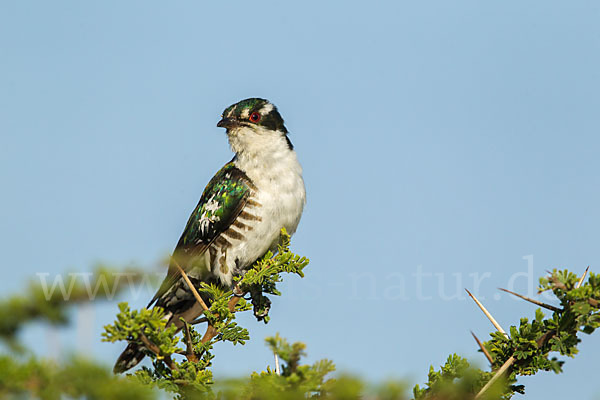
156 350
536 302
211 331
542 341
497 376
190 353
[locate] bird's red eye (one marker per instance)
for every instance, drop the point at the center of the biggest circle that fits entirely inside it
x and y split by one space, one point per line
255 117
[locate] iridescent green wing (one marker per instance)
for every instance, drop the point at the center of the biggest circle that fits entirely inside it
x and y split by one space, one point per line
222 201
220 204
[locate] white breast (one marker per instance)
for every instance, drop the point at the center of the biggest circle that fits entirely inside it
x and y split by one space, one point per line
278 200
281 195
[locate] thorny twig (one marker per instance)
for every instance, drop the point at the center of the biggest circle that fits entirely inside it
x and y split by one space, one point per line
189 351
540 342
156 350
483 349
539 303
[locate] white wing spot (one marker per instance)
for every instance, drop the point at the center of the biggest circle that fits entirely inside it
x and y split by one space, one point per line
205 219
212 206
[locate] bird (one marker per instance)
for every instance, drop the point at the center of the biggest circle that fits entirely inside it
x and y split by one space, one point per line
239 216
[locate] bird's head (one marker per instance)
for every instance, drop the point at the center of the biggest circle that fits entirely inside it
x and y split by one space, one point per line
256 114
252 123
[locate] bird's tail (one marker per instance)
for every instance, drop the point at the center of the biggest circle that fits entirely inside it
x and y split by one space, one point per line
129 358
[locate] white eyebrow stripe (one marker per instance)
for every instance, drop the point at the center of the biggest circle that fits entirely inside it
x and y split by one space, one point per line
267 108
244 114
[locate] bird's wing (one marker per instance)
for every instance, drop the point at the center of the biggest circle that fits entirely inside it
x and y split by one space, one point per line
222 201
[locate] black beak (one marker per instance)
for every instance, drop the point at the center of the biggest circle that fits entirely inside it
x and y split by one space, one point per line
226 123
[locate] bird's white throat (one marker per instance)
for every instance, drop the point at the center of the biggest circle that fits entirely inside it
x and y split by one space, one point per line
264 155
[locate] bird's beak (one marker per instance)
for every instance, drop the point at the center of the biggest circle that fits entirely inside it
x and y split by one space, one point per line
226 123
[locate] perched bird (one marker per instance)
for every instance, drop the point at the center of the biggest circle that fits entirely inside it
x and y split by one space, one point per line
239 216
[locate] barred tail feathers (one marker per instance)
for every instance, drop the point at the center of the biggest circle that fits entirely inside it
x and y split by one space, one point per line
129 358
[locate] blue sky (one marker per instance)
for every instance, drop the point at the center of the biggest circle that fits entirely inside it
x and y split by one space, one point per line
442 142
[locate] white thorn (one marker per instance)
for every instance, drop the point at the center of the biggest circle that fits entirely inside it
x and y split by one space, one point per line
487 314
582 278
277 368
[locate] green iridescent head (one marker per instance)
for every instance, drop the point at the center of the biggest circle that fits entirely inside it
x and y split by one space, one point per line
253 112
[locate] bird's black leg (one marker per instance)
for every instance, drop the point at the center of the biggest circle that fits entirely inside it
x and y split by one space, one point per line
261 303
